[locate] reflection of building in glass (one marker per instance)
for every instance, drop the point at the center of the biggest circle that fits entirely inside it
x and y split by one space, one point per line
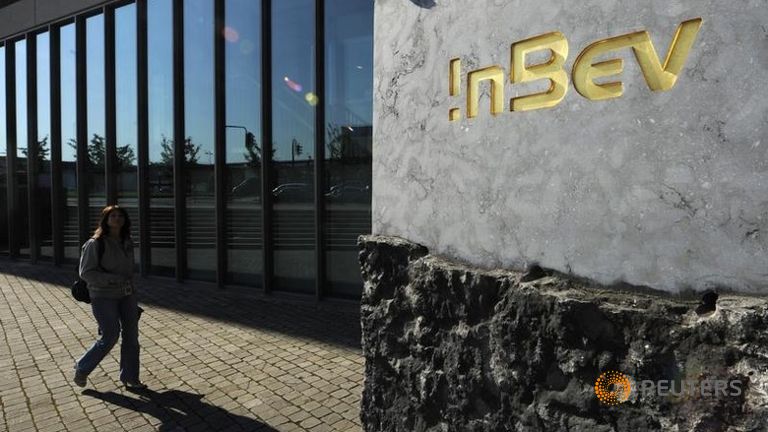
223 168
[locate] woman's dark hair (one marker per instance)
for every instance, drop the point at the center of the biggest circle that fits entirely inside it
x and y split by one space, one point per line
103 229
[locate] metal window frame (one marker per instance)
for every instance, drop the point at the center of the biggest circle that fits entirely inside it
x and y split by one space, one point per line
10 149
266 147
179 183
142 101
320 258
220 163
4 252
81 164
110 106
32 168
58 206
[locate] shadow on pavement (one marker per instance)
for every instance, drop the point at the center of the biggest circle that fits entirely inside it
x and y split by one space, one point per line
335 324
179 410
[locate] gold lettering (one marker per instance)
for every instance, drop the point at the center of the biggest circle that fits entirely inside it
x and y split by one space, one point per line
552 70
585 72
454 86
658 77
662 78
496 75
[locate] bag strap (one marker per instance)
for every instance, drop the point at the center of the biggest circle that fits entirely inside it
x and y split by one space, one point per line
100 242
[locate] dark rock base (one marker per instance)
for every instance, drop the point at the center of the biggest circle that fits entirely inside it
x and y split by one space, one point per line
452 348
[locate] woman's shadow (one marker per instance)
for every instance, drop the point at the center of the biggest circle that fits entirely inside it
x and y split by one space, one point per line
178 410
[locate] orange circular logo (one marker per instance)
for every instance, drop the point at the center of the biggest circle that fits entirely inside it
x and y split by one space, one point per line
613 388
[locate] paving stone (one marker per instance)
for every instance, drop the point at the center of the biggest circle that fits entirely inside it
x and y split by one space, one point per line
213 360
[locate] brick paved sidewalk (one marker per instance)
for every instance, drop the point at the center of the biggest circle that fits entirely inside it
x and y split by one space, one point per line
213 360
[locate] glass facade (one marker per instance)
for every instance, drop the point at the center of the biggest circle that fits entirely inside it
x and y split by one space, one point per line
160 107
199 152
95 166
126 118
270 103
20 211
348 139
294 101
243 135
41 164
68 144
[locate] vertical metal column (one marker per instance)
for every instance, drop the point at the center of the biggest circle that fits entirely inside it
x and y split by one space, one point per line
179 179
220 145
143 135
10 151
32 151
266 147
319 148
110 164
58 207
82 164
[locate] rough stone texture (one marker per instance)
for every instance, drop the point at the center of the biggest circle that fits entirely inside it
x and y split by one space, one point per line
453 348
664 189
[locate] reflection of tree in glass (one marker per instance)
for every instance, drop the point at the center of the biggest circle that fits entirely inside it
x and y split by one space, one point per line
253 150
97 152
42 151
348 144
337 141
190 151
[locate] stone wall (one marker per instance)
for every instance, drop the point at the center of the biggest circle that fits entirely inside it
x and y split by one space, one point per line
449 347
660 188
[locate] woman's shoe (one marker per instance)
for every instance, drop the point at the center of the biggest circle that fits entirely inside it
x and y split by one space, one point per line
80 379
134 385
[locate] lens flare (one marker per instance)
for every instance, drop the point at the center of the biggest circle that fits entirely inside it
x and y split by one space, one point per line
230 34
311 98
292 85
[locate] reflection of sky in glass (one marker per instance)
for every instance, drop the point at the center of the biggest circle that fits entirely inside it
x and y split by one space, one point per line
21 97
68 92
349 62
160 74
125 76
198 76
243 75
293 39
94 63
3 145
43 90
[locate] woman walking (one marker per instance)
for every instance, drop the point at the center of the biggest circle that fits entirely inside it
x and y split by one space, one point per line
106 265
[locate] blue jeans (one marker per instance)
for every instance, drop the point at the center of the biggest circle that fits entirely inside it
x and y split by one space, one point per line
112 315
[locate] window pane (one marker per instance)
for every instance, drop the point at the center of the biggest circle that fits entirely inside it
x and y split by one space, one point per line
69 140
21 215
198 145
348 114
126 111
160 75
43 165
95 169
293 125
244 139
3 165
